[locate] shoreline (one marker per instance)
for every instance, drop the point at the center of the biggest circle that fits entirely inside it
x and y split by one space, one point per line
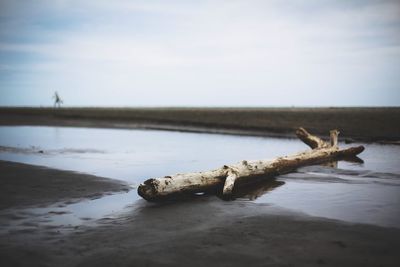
356 124
196 232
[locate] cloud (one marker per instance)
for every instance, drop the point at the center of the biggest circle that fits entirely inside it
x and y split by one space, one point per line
203 52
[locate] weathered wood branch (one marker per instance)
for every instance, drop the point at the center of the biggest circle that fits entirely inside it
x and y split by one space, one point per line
247 171
310 140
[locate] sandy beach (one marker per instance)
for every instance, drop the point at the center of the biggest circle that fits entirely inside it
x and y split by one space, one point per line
356 124
196 232
199 231
199 133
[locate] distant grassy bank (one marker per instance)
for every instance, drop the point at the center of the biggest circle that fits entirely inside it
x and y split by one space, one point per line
362 124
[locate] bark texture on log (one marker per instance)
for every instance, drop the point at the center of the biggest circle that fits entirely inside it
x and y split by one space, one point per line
247 171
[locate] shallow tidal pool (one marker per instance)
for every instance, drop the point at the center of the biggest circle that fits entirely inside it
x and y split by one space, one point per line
367 192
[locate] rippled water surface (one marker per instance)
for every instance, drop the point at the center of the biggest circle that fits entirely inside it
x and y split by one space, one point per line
366 192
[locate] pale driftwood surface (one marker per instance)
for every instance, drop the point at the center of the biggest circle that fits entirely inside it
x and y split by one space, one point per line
247 171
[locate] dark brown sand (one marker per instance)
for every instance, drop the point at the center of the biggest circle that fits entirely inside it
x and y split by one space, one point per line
361 124
27 185
205 231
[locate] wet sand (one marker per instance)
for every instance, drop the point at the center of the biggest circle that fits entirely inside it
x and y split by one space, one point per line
204 231
27 185
355 124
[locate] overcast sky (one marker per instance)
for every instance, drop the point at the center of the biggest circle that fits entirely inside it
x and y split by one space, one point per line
200 53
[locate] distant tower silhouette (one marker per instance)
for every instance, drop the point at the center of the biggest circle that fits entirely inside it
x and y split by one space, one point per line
57 100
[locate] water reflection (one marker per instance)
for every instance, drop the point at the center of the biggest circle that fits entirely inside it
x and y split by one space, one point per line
253 191
350 190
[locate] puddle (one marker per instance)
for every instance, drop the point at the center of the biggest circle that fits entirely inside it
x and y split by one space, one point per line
67 216
366 192
84 211
358 200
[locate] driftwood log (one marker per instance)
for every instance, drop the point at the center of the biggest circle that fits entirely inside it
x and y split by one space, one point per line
244 172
